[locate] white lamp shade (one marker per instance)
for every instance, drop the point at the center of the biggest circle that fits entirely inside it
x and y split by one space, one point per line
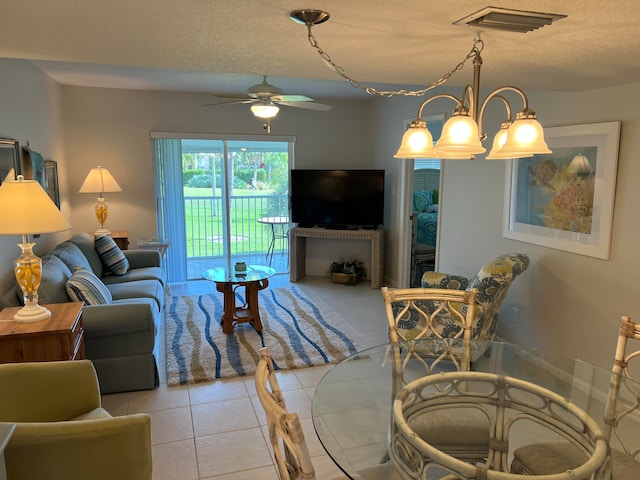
525 138
26 209
265 110
100 180
417 142
459 139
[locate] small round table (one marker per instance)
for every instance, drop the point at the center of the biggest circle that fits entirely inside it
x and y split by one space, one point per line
227 280
282 235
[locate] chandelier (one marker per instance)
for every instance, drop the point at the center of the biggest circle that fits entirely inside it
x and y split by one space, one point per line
462 133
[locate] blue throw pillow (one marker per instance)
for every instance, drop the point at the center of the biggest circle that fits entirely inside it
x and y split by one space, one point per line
421 200
84 286
111 255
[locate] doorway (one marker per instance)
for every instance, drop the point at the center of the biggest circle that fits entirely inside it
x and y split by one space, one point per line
217 199
424 218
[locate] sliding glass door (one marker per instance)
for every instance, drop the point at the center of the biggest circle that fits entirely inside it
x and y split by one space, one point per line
218 197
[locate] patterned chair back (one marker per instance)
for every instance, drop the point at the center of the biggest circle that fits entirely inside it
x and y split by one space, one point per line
492 282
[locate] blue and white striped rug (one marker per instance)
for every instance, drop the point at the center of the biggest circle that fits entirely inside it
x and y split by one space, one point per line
298 330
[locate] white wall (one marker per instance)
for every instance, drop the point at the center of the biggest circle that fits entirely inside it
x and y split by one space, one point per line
112 128
30 111
568 303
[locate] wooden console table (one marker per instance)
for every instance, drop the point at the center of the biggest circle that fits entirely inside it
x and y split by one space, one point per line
298 249
121 238
60 337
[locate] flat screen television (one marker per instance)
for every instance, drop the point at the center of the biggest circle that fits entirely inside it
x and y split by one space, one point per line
337 198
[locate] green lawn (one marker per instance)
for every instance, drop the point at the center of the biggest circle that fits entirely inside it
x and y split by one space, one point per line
204 221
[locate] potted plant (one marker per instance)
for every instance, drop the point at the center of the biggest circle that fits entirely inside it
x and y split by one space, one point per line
347 272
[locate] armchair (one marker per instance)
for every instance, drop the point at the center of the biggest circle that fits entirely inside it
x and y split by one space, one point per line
62 432
492 282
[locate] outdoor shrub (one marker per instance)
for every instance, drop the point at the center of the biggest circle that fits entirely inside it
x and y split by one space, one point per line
201 181
187 175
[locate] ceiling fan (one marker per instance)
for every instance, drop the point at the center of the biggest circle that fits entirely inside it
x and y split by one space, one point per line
265 98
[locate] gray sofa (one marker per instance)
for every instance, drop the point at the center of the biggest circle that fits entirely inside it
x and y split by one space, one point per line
121 336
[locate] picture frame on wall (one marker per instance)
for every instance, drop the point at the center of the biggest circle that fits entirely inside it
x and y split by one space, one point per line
51 181
9 159
565 200
34 166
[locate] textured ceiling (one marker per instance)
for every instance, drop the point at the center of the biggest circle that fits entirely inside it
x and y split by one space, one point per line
223 47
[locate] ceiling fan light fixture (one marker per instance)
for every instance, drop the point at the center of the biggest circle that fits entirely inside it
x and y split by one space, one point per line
265 110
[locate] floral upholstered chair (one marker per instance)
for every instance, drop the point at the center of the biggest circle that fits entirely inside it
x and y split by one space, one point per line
492 282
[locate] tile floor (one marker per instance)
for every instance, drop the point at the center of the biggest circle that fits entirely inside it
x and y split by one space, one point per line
217 430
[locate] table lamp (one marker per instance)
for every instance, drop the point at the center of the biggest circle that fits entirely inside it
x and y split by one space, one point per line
99 181
26 209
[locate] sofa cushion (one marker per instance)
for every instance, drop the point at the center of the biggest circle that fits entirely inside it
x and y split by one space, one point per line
55 275
143 273
84 241
139 289
84 286
71 255
111 255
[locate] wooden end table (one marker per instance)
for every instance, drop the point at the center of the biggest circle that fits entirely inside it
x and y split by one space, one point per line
121 237
60 337
254 279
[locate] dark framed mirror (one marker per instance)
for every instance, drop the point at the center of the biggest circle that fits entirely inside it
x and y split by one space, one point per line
9 159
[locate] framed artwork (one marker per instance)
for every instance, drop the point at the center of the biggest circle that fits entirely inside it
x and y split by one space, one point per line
36 165
9 159
564 200
51 181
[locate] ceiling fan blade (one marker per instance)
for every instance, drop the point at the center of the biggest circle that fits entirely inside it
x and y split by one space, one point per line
291 98
228 103
230 97
308 105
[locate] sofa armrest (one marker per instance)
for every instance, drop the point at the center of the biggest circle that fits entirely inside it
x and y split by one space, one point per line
102 449
118 319
444 280
140 258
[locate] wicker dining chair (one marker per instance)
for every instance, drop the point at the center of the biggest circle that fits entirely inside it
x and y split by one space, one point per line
291 453
624 461
508 402
445 316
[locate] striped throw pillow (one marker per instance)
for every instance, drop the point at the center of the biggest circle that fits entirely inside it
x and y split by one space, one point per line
84 286
111 255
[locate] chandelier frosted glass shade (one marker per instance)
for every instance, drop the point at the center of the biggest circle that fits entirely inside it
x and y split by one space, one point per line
525 138
459 139
417 142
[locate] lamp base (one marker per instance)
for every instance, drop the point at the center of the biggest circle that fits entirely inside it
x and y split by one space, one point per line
101 232
32 313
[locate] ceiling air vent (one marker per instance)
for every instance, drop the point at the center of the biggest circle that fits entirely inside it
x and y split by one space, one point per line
508 20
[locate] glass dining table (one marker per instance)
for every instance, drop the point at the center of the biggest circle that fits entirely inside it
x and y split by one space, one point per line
352 404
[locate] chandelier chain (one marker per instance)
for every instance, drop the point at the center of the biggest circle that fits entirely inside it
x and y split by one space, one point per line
475 51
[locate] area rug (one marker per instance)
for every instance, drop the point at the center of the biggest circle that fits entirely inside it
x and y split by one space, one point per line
298 330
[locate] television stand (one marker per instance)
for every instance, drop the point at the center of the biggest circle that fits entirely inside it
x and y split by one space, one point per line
298 249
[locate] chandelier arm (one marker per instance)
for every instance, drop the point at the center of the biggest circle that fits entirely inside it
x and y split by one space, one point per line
434 97
478 45
496 94
507 106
